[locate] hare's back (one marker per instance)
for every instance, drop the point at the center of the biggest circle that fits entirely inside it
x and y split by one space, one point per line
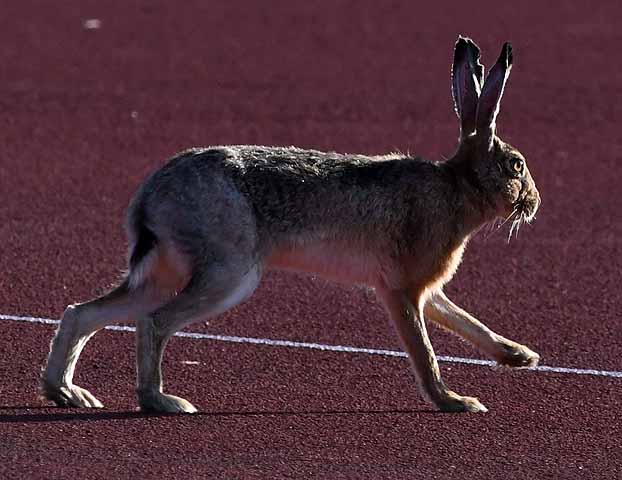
282 192
295 189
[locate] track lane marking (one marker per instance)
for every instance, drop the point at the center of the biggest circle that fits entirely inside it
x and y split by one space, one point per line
329 348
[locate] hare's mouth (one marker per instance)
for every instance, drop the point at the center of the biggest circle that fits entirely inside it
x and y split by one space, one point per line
528 207
524 212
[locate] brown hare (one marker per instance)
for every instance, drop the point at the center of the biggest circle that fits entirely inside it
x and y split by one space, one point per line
205 227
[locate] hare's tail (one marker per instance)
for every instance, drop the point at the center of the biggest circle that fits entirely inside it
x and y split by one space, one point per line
143 252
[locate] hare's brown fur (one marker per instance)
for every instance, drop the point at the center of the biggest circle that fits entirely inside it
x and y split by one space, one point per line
205 227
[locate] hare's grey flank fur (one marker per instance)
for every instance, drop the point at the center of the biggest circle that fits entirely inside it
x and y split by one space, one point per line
204 228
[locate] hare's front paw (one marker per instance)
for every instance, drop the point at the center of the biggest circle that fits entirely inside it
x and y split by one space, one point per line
516 355
452 402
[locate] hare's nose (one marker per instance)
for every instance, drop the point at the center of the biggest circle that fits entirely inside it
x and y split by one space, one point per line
532 203
538 198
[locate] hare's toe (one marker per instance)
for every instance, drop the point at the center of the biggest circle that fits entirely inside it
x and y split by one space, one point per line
517 356
154 401
69 396
452 402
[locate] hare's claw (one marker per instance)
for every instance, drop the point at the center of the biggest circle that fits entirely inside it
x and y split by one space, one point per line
517 356
69 396
154 401
452 402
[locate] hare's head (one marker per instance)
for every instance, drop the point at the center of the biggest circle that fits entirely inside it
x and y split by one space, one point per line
497 170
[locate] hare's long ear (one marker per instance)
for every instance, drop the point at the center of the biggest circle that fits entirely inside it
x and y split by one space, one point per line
467 77
488 106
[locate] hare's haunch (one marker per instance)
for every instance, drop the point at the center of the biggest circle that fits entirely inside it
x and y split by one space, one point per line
204 228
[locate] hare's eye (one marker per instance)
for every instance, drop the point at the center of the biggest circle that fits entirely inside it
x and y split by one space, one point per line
517 165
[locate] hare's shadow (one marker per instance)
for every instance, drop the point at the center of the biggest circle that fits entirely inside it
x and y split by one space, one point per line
75 415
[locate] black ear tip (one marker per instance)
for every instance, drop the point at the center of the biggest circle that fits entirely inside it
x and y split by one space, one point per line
461 43
506 53
460 49
465 44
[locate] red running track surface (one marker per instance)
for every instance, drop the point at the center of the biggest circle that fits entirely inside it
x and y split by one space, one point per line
86 114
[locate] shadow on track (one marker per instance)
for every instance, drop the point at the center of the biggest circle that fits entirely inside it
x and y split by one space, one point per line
68 415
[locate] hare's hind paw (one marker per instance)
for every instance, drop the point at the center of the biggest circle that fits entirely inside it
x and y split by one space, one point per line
452 402
69 396
517 356
154 401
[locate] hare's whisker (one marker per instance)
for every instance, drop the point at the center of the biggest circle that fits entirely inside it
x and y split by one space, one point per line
495 225
514 227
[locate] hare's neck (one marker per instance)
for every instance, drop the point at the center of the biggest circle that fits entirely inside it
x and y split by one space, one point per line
476 208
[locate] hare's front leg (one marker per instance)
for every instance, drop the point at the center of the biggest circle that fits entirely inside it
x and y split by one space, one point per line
443 311
410 325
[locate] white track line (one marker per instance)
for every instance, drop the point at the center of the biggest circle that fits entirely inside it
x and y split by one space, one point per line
330 348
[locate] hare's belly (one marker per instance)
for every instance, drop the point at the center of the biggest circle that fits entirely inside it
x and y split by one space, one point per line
332 261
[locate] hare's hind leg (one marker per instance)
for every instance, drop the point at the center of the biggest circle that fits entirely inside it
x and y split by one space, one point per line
410 324
447 314
78 324
210 292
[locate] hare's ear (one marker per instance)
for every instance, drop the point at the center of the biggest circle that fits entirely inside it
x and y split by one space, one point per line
488 106
467 76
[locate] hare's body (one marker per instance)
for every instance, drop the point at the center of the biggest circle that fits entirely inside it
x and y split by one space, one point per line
380 221
204 228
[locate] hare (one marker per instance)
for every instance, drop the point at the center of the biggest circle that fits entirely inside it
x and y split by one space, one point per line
205 227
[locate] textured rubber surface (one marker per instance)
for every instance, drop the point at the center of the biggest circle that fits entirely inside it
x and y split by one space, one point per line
87 113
